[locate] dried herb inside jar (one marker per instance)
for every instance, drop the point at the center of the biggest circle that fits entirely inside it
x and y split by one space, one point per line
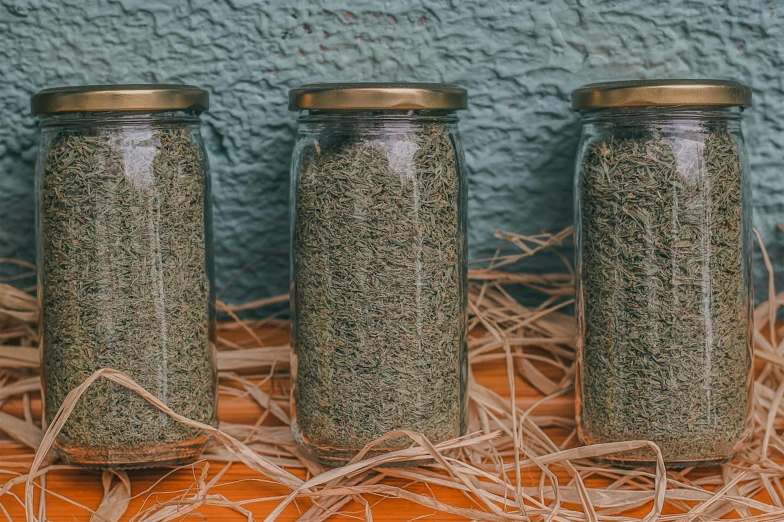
125 285
380 290
666 352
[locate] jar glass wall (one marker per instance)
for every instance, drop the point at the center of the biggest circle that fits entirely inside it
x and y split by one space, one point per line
126 282
664 300
378 279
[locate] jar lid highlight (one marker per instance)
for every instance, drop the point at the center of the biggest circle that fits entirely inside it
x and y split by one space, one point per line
378 96
661 93
135 97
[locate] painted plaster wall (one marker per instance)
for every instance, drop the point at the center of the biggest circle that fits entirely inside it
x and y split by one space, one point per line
519 60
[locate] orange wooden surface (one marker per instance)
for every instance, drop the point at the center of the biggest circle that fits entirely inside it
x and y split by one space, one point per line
243 484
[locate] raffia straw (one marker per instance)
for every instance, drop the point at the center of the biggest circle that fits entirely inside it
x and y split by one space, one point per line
116 497
509 436
237 448
17 305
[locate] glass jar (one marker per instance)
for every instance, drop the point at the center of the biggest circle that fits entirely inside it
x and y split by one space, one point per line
378 244
125 276
664 283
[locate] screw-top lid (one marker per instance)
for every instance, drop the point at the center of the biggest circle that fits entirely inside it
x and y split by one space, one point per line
138 98
378 96
661 93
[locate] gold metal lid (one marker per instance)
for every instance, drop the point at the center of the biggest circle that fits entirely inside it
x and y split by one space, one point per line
378 96
137 98
661 93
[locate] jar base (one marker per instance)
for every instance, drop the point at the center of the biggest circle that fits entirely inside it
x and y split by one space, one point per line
333 458
336 457
154 456
627 463
687 454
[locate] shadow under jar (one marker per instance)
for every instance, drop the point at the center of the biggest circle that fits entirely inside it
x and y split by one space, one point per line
378 267
125 270
664 300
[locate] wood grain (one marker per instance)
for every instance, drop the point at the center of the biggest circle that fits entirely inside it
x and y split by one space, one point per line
240 483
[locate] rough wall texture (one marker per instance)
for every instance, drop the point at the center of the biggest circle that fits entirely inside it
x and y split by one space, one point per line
519 60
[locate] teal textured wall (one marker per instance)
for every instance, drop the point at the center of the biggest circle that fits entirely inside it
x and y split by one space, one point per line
519 60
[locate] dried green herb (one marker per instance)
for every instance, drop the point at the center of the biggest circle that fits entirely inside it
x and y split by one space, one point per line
379 292
125 285
666 353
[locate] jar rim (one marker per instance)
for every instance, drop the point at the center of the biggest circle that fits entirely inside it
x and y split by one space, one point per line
378 96
119 98
661 93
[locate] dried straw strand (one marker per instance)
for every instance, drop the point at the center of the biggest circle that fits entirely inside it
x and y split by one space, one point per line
509 436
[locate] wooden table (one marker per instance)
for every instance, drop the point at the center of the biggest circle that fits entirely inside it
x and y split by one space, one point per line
85 486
